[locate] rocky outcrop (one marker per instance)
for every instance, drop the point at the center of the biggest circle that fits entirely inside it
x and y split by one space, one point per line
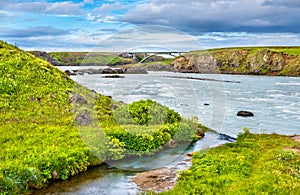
258 61
45 56
203 63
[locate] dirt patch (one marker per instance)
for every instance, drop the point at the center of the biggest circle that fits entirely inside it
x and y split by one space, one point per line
296 138
157 180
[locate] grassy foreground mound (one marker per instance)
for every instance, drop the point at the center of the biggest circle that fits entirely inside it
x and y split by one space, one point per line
52 128
254 164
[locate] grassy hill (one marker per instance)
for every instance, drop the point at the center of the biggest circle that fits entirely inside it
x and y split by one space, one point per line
284 61
52 128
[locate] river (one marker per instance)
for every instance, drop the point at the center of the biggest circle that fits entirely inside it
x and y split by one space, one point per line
275 102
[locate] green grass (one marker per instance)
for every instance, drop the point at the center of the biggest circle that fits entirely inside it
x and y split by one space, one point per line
254 164
88 58
289 51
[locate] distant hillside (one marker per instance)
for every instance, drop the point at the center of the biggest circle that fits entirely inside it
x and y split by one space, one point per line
82 58
277 61
283 61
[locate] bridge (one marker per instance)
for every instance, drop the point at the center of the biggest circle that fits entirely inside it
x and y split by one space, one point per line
147 55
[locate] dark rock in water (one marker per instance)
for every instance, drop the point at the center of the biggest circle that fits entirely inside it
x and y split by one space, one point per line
245 114
206 104
109 71
135 70
75 98
113 76
84 119
69 73
226 137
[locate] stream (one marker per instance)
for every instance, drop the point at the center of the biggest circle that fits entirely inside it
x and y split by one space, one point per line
108 180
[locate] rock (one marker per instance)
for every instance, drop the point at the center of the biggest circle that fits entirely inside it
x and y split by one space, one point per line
245 114
114 106
113 76
156 180
84 119
54 174
45 56
75 98
109 71
135 70
200 131
171 143
191 153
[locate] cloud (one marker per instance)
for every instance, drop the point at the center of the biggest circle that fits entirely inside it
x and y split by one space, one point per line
32 32
88 1
107 12
106 7
60 8
217 15
283 3
234 39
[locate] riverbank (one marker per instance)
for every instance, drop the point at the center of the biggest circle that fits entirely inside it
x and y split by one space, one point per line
255 163
272 61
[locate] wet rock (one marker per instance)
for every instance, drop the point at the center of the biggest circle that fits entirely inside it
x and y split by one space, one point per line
245 114
84 119
156 180
113 76
191 153
75 98
109 71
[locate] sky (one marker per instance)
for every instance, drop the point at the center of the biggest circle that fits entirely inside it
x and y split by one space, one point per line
182 25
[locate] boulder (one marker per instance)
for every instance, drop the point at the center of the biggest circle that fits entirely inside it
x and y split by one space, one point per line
109 71
245 114
84 119
75 98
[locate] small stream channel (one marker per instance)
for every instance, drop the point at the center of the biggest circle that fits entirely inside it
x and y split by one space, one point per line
115 177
